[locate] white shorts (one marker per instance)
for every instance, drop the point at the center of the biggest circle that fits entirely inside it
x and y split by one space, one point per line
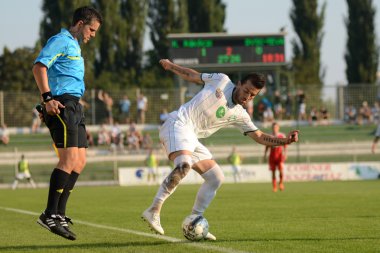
236 168
302 108
176 135
21 176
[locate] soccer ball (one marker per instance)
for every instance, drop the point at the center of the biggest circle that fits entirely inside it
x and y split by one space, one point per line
195 227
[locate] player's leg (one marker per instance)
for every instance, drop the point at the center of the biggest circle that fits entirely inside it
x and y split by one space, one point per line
272 168
80 140
182 164
213 177
64 131
281 172
31 182
179 142
15 183
58 179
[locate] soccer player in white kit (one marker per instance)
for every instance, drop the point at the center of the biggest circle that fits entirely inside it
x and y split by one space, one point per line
219 104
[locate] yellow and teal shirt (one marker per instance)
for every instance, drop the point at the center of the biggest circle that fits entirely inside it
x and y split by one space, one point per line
62 56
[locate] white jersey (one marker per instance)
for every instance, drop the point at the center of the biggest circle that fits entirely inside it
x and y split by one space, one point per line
212 108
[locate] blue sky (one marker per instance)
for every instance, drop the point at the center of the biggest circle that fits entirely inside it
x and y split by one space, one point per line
21 19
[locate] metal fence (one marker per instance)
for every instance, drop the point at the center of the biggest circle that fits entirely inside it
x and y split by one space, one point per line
16 108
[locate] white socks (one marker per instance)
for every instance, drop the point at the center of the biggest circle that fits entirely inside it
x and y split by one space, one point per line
182 165
213 179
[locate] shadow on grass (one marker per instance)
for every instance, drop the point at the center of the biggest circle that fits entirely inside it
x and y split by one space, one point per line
106 245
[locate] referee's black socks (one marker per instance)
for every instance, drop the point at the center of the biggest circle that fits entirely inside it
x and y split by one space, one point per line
58 181
66 193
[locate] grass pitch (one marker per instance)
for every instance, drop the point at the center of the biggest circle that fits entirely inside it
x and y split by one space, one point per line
306 217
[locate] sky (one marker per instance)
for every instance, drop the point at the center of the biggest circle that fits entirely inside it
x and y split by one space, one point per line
21 21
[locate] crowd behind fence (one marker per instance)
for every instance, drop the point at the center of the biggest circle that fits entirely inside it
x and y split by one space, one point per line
353 104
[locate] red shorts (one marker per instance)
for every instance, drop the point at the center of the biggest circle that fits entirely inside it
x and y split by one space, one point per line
276 163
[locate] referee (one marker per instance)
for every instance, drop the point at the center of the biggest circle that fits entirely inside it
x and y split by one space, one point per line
59 74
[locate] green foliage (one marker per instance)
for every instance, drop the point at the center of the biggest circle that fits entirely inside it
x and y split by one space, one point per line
362 53
308 25
206 16
16 69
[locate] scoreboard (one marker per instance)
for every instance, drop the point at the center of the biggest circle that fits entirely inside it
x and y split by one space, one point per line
223 49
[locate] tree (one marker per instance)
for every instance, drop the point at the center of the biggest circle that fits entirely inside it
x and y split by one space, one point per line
206 16
362 53
164 18
16 69
308 25
134 13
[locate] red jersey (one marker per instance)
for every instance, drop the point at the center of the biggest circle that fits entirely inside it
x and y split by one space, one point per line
276 153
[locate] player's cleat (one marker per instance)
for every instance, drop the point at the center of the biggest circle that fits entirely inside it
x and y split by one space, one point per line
52 223
64 221
210 237
153 220
274 189
282 187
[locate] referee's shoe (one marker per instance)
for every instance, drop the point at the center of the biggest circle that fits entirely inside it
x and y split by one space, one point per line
64 220
52 223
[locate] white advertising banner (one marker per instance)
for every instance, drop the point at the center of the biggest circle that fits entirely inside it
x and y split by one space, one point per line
260 173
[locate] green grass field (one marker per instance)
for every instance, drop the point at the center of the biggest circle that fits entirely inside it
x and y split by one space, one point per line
307 217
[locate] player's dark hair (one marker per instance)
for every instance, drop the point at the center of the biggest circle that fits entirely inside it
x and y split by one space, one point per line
86 14
257 79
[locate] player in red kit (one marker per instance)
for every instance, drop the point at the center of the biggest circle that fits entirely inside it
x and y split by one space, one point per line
277 158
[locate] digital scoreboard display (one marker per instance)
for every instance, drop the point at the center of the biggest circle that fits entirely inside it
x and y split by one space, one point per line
208 49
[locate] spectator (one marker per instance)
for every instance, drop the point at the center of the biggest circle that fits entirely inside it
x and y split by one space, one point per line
90 138
104 137
163 116
313 116
36 121
4 135
125 105
350 114
117 137
147 142
142 106
301 105
133 141
324 116
23 172
365 116
277 105
288 106
108 102
268 115
376 112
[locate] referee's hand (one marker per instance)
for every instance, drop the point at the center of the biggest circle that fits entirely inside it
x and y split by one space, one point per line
52 107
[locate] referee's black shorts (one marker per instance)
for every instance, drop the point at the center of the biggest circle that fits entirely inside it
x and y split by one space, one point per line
67 128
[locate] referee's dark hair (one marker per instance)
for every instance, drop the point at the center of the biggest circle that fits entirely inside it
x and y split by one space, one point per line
86 14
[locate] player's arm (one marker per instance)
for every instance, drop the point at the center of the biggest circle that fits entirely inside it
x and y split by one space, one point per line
187 74
40 75
270 140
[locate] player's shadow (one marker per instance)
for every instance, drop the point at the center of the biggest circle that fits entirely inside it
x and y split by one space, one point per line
106 245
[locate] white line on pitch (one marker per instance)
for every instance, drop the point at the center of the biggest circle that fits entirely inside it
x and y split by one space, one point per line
134 232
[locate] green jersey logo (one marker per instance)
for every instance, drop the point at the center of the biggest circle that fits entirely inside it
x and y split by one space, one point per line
220 112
